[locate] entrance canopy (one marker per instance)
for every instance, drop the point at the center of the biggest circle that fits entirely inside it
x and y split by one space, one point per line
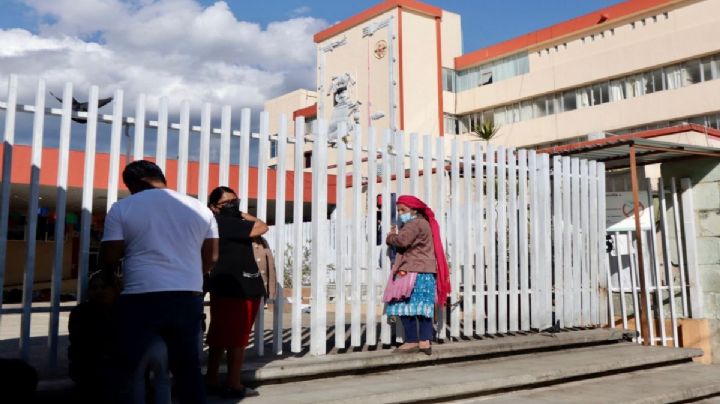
643 148
615 151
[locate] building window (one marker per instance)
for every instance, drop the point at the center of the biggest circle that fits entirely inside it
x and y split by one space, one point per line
693 72
569 100
273 148
307 156
636 85
448 79
490 72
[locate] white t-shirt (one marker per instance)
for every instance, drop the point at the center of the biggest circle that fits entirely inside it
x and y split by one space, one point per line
163 232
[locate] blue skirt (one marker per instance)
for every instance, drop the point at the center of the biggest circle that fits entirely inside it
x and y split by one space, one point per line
421 301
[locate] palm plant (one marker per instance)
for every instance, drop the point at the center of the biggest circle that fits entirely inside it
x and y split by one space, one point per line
486 130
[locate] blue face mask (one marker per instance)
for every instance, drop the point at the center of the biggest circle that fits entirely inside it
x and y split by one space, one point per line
406 217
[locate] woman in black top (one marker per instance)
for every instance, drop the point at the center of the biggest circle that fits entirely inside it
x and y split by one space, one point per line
236 289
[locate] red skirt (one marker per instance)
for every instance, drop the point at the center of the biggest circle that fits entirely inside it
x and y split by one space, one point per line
231 320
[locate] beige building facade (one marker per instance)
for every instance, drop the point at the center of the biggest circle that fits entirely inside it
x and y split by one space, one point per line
636 65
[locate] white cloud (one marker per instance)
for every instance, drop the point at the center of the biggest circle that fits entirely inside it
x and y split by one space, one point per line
302 10
175 48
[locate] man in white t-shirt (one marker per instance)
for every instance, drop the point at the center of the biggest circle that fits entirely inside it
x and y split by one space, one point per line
167 241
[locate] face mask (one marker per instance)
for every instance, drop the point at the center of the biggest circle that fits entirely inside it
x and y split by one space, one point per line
231 208
406 217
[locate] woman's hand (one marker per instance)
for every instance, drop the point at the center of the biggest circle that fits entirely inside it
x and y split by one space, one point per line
393 229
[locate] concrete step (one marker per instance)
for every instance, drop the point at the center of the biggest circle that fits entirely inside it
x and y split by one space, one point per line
443 382
276 370
662 385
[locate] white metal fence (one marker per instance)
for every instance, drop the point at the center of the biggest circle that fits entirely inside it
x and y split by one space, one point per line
524 234
670 265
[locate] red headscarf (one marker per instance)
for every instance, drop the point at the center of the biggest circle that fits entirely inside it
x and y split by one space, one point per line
442 286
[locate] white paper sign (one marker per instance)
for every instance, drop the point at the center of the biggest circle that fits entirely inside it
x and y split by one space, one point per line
619 211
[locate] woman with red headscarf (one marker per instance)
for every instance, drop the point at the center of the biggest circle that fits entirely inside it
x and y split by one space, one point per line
420 250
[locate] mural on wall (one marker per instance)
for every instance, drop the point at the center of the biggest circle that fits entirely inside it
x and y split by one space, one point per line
344 109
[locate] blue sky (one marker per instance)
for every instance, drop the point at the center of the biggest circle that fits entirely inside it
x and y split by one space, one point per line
238 53
484 21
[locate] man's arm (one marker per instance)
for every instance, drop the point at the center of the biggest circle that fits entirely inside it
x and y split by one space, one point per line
259 227
111 252
209 252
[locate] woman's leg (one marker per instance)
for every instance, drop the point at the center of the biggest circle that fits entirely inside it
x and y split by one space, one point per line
236 356
426 331
411 337
212 377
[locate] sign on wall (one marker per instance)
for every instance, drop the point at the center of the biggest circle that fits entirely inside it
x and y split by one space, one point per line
619 211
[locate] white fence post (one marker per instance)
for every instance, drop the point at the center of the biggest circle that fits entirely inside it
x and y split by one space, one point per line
688 210
371 256
87 193
340 282
57 266
30 243
280 194
298 241
357 257
8 149
318 303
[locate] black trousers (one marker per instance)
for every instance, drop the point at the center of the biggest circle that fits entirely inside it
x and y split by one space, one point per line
176 318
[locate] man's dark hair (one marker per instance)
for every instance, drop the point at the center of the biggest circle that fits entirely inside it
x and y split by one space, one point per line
137 173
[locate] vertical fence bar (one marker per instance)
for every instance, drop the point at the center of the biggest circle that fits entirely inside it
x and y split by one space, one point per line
502 276
576 245
318 272
225 133
633 284
650 317
584 226
30 243
557 220
667 262
399 146
479 221
441 189
456 237
115 138
621 283
280 196
468 212
298 242
244 160
414 165
513 325
139 137
204 163
427 159
87 194
679 246
399 142
263 149
490 276
183 147
61 201
545 245
593 240
162 134
340 237
653 251
605 309
357 257
523 247
535 298
568 273
8 149
371 328
385 331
